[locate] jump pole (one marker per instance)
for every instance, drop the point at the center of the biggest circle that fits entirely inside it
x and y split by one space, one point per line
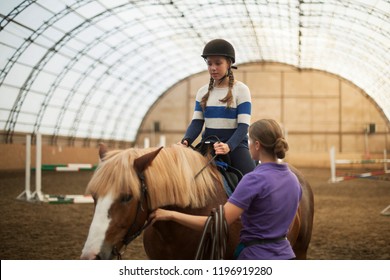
26 194
38 195
386 211
38 170
163 141
146 142
333 162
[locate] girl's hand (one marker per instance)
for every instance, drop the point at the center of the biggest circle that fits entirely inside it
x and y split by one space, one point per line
183 143
221 148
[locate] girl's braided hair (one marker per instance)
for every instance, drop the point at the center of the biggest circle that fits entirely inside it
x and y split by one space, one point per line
228 99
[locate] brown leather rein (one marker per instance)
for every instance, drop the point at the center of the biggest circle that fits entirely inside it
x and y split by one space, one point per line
212 245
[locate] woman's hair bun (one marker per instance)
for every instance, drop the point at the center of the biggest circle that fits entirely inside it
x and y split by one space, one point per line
280 148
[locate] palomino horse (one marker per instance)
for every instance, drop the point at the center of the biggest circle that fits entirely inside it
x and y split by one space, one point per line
129 184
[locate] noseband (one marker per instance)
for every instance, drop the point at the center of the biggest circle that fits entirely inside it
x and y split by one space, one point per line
129 236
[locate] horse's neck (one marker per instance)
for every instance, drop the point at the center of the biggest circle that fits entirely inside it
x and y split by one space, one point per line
181 189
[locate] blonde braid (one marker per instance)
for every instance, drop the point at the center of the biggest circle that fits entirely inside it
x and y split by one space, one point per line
205 97
228 99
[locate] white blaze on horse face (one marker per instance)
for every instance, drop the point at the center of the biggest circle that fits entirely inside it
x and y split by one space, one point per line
98 229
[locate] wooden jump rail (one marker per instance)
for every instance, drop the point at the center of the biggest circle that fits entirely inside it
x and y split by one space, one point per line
335 179
334 162
38 195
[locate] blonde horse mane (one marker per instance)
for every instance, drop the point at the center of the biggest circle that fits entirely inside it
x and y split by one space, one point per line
170 178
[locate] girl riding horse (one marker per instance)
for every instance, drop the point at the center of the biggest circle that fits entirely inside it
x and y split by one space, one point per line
265 199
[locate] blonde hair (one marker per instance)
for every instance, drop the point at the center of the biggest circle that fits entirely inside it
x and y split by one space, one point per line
228 99
269 134
170 178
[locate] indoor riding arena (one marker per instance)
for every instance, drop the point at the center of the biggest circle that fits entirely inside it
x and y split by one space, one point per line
78 73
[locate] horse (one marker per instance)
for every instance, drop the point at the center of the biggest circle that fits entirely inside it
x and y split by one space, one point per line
129 184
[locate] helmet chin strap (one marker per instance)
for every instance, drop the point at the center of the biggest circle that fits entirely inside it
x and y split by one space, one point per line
226 75
223 78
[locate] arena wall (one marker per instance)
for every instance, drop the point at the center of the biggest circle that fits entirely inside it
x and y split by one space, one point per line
317 110
14 155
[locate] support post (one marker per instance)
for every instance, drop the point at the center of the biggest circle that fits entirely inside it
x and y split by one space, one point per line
146 142
26 194
162 141
332 154
28 167
366 146
38 169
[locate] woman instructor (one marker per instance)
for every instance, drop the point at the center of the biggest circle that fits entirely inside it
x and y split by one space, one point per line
266 199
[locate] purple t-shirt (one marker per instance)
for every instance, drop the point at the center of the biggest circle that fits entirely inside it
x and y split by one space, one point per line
269 195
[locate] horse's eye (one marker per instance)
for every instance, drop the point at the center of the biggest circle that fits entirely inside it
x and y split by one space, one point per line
126 198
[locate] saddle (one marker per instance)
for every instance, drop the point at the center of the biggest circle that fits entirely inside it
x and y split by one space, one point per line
231 175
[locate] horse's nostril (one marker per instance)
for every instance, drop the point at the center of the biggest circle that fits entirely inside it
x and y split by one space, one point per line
97 257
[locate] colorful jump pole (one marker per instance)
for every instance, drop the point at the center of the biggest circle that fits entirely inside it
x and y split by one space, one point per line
334 161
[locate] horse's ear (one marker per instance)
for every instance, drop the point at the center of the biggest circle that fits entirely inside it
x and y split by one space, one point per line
102 150
141 163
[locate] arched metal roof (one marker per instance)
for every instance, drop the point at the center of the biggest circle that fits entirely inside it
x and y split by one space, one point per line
93 68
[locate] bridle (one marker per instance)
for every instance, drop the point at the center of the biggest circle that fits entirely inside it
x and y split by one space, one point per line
130 235
217 222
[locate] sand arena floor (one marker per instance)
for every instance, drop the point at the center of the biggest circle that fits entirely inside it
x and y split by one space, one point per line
347 223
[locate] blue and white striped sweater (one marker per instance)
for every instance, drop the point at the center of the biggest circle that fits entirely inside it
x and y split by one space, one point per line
229 124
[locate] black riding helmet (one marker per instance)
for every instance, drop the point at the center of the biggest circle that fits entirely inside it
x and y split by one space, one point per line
219 47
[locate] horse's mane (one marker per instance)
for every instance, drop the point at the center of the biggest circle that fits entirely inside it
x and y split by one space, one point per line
170 178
